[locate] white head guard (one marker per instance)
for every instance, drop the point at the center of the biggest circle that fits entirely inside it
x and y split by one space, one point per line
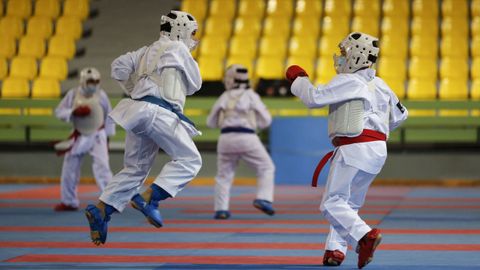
359 50
236 77
89 79
179 25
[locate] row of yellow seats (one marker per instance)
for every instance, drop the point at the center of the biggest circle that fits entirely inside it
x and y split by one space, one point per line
46 8
41 26
42 87
35 47
27 68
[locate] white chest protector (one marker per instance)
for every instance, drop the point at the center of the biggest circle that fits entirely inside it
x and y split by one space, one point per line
230 111
88 124
170 84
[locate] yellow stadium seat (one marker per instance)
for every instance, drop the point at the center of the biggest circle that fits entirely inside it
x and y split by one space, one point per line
366 7
423 68
475 26
475 8
15 88
222 8
303 46
282 8
454 68
76 8
218 26
198 8
1 9
475 47
475 70
397 86
422 89
306 26
392 68
270 68
308 8
394 46
215 46
454 47
365 25
23 67
247 26
455 8
3 68
424 46
425 9
273 46
397 26
396 8
325 70
251 8
40 26
69 26
452 89
12 26
8 46
336 8
457 26
244 46
306 63
424 27
328 46
475 93
276 26
47 8
242 60
54 67
45 88
61 46
32 46
338 27
211 68
19 8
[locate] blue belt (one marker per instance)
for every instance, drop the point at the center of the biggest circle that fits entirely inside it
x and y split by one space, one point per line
166 105
237 130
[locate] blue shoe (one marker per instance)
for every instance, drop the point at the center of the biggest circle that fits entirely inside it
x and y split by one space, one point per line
150 210
264 206
222 214
98 225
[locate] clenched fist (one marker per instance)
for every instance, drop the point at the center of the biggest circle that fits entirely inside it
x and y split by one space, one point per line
81 111
295 71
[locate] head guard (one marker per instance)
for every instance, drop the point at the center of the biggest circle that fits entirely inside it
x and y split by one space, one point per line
89 79
181 26
359 50
236 77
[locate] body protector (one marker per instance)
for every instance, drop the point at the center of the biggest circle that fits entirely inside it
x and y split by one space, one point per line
89 124
89 80
181 26
236 77
359 50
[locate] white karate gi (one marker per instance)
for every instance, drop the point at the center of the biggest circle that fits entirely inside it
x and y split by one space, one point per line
95 144
150 127
353 166
246 146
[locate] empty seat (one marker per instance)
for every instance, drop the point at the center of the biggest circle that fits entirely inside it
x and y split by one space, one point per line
76 8
475 8
12 26
455 8
3 68
424 46
336 8
475 70
251 8
247 26
451 89
303 46
325 70
47 8
46 88
211 68
328 46
270 68
242 60
394 46
396 8
370 8
475 47
198 8
336 26
8 46
276 26
23 67
424 27
19 8
455 26
422 89
215 46
54 67
475 26
32 46
475 93
281 8
397 86
454 68
243 46
15 88
306 26
308 8
395 26
365 25
425 8
423 68
40 26
222 8
218 26
69 26
61 46
454 47
392 68
273 46
306 63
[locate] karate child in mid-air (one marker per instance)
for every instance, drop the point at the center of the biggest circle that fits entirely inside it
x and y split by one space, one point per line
157 79
362 111
238 113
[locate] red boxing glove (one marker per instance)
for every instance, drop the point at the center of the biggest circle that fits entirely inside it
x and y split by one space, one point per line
81 111
295 71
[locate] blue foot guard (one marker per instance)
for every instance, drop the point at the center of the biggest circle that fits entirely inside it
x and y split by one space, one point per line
150 209
222 214
264 206
98 225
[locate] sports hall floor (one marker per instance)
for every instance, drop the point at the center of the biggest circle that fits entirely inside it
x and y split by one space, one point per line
424 228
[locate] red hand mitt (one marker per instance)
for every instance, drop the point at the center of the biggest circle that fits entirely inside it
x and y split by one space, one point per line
295 71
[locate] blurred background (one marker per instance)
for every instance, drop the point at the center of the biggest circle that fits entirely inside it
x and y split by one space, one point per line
429 55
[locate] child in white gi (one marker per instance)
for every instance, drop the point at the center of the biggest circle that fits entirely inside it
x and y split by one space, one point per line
362 112
157 78
239 112
87 107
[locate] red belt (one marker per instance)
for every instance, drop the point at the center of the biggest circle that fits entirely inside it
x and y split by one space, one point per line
75 134
367 135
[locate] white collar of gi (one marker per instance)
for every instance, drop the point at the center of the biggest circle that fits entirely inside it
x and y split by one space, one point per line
368 74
